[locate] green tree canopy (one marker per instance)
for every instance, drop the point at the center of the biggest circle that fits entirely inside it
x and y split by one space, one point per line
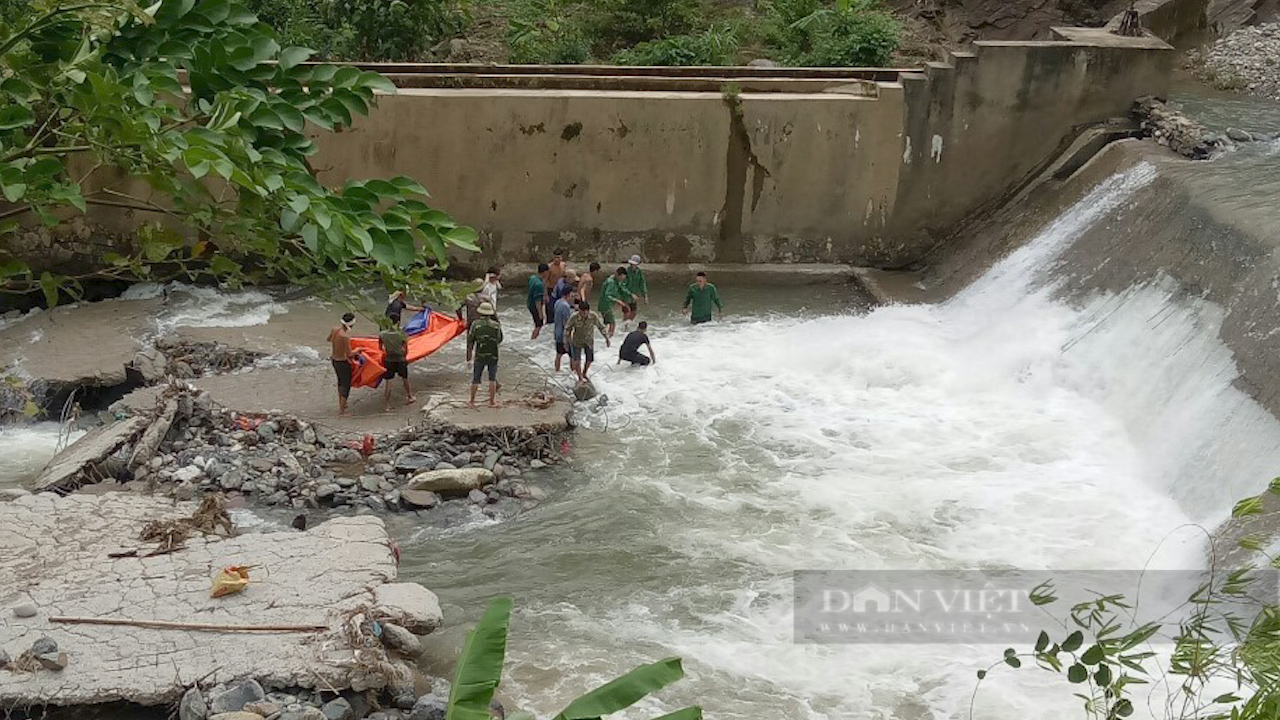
197 104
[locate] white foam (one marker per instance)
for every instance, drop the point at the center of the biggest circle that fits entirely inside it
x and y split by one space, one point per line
192 306
1001 429
26 449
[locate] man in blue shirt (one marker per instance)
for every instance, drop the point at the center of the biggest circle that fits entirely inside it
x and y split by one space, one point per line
563 311
537 298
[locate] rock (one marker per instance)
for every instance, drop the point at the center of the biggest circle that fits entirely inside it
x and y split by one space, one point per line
237 715
56 662
404 700
262 465
451 481
9 494
392 499
429 707
401 640
414 461
236 696
461 459
370 483
187 474
267 431
345 482
280 699
445 466
301 712
536 464
499 471
417 607
419 498
378 458
150 364
762 62
478 497
1239 135
185 491
327 491
25 610
491 459
265 708
44 646
496 710
232 481
192 706
386 715
337 709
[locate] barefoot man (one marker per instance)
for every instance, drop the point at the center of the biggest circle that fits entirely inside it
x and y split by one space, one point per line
581 333
483 338
395 345
341 355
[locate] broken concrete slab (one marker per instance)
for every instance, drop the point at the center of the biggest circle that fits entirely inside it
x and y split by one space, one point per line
86 344
71 468
57 556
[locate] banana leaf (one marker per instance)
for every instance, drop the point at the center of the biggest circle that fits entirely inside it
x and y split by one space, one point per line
623 692
480 664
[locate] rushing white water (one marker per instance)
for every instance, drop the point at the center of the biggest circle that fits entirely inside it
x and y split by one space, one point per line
24 450
194 306
1003 428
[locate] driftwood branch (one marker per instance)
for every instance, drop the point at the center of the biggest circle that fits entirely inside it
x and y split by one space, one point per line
207 627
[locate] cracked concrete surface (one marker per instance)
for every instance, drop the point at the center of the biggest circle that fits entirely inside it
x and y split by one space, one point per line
55 555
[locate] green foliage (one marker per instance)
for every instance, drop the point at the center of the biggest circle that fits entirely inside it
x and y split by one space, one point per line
817 33
363 30
614 22
547 32
1106 654
480 672
718 45
91 93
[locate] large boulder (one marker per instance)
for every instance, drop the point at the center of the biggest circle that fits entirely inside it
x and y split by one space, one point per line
150 364
457 482
416 608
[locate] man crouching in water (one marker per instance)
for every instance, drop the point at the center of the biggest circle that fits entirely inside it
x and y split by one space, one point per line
341 355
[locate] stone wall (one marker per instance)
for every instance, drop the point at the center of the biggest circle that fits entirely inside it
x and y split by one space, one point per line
873 171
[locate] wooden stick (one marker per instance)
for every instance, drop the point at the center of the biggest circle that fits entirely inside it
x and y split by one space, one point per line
165 625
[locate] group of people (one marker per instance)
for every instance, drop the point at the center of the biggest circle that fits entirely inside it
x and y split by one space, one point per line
557 295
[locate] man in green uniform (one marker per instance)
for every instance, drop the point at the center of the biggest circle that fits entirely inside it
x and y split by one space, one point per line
580 331
537 300
636 284
702 296
483 338
614 296
394 348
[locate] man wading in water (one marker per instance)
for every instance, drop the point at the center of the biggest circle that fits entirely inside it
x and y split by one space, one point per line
394 348
702 296
483 338
580 331
630 350
341 355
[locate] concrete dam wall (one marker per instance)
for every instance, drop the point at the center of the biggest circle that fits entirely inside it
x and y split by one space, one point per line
741 164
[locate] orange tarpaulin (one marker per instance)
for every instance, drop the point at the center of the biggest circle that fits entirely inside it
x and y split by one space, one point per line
439 329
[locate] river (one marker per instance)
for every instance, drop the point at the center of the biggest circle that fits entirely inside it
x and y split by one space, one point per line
1003 428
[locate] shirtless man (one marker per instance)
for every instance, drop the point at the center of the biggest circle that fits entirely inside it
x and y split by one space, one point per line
341 356
587 282
555 270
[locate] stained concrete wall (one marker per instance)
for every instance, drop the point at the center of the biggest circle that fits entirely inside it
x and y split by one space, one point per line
874 173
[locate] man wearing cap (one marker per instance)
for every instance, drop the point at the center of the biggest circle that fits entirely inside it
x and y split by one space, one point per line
396 305
483 338
615 296
636 284
341 356
581 333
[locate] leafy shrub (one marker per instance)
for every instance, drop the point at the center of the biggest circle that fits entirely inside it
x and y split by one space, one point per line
851 33
626 22
546 32
367 30
717 46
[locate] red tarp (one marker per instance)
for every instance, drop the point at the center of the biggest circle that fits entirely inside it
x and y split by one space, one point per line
440 329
